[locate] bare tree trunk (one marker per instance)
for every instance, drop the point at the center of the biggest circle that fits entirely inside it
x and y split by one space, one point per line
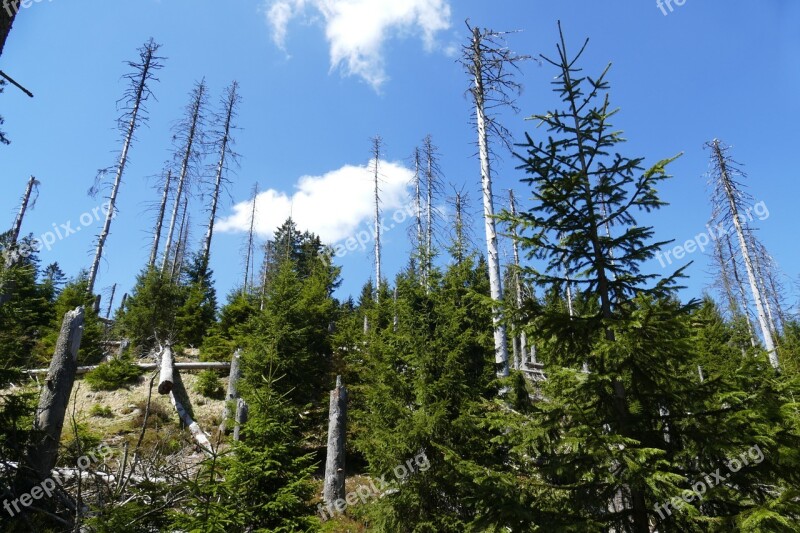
194 136
430 185
144 74
493 256
111 300
376 153
7 15
418 215
459 244
722 165
250 239
242 412
160 219
337 432
231 100
523 339
166 377
742 292
183 238
233 391
32 183
54 397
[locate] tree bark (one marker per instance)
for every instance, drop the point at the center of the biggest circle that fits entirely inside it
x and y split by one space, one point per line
242 412
335 458
22 209
160 220
53 400
7 15
493 257
523 339
233 391
166 378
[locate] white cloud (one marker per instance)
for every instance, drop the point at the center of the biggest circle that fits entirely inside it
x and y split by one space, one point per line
333 205
357 29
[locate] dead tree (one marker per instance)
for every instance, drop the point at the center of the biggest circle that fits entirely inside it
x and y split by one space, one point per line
728 199
224 142
111 300
376 155
7 15
433 187
490 64
335 458
183 242
523 340
162 208
242 412
233 390
170 383
249 263
33 184
54 397
166 376
135 114
191 138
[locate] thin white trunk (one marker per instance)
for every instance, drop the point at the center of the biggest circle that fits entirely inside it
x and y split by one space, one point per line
230 107
742 292
376 154
233 389
429 184
250 239
769 344
22 209
493 259
196 110
180 247
162 208
523 339
418 214
141 87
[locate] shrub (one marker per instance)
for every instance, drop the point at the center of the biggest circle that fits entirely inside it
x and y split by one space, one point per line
102 411
209 385
113 374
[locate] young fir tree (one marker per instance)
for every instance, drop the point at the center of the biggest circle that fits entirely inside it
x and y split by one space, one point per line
614 443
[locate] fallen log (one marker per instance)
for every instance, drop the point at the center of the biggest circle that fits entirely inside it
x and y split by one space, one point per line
167 363
144 366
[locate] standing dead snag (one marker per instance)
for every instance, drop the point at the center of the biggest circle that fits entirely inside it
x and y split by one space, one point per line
191 138
162 208
233 390
488 63
376 155
224 141
53 400
337 431
26 202
242 411
250 257
522 340
727 206
135 96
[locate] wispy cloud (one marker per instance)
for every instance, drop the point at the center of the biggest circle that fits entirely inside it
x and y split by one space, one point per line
332 205
357 29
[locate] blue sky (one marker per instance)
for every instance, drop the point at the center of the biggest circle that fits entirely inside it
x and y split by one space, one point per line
320 77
